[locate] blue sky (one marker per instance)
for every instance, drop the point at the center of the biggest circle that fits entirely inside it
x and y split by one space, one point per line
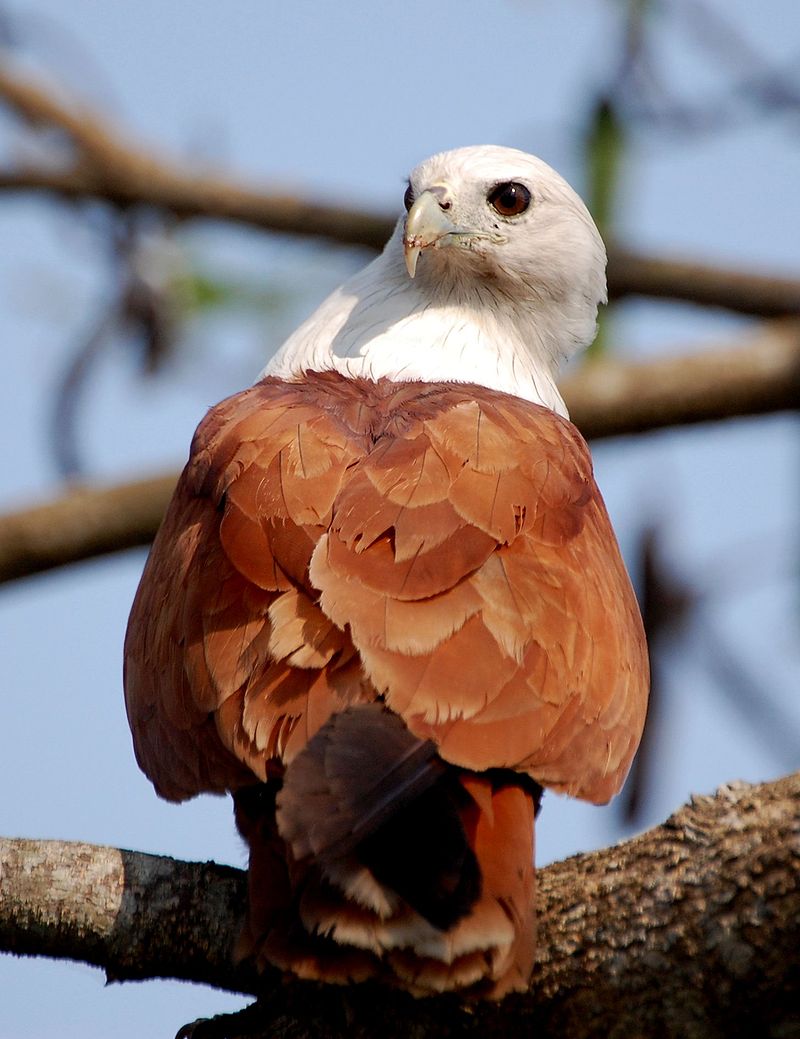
338 102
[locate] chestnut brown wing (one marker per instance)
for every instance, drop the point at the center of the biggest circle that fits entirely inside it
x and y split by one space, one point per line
461 564
230 666
475 566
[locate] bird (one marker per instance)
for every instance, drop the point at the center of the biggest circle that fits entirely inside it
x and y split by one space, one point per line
386 607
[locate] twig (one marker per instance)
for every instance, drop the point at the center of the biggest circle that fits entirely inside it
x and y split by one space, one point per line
63 432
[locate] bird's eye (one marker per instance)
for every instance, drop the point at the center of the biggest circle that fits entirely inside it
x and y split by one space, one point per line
510 198
408 198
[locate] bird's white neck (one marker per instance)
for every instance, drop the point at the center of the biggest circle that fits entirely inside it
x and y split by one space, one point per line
383 324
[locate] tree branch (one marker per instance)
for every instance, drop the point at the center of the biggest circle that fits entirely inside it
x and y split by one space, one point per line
606 398
761 374
691 929
744 292
134 915
109 168
83 523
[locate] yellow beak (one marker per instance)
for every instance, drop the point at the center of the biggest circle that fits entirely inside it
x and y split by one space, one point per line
426 224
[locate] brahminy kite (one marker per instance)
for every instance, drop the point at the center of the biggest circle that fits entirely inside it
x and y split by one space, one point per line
386 606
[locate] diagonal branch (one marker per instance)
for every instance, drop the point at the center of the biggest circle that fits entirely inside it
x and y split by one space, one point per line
110 168
694 924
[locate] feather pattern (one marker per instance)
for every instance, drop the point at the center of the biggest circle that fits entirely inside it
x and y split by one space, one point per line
440 549
386 605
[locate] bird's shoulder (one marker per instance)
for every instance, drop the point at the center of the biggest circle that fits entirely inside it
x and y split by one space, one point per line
332 541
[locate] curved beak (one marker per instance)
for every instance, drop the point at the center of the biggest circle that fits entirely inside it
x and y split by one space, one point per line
426 224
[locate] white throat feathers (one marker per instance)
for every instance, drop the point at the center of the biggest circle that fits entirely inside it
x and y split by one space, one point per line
494 277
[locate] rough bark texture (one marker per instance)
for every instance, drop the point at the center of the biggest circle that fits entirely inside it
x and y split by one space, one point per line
134 915
605 398
690 930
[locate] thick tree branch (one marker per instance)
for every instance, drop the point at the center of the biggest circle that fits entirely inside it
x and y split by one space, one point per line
691 929
134 915
606 398
83 523
109 168
215 198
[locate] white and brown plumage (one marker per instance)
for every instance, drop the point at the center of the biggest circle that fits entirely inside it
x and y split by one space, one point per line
386 604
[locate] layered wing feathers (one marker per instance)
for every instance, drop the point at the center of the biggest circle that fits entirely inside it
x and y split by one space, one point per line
441 546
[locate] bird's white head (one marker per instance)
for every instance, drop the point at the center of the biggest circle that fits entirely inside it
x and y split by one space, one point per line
494 275
497 215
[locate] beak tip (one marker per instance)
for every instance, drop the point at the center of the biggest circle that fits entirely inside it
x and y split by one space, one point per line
427 225
411 254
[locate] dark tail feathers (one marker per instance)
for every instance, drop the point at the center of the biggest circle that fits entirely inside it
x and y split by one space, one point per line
366 786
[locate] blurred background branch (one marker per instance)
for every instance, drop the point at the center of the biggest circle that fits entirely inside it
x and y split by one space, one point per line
104 166
606 398
179 192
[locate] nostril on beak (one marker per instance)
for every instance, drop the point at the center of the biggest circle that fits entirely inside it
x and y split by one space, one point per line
442 197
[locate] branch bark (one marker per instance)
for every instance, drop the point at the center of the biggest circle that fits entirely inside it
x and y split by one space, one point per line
606 398
691 929
109 168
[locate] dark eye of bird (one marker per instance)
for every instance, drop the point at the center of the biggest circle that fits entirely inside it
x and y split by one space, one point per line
408 198
510 198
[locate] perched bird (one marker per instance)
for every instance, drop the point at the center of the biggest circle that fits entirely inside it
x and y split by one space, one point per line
386 606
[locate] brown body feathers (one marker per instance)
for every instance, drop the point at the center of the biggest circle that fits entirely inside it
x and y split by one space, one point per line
380 614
